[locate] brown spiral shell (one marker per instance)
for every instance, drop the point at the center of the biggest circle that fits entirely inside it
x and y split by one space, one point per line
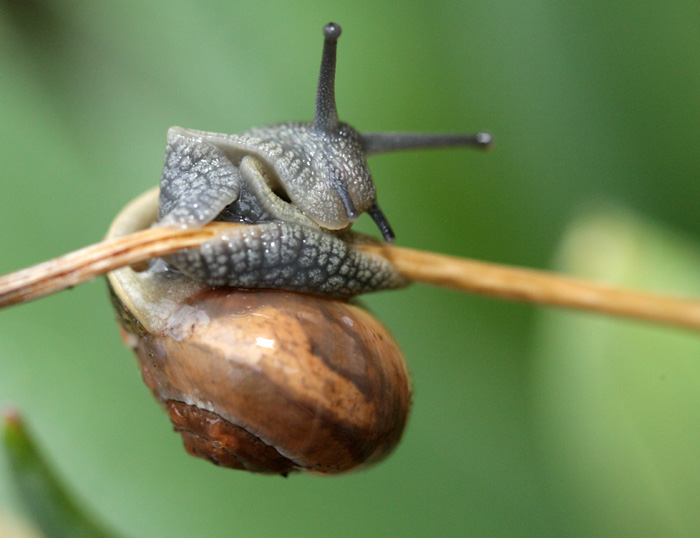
266 381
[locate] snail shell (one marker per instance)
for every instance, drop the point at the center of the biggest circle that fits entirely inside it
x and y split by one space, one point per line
266 381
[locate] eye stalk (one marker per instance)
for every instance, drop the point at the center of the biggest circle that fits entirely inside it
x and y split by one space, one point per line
326 115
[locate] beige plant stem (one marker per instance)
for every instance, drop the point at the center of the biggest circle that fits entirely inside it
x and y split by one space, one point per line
417 266
541 287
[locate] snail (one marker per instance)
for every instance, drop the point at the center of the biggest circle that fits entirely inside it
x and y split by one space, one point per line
252 342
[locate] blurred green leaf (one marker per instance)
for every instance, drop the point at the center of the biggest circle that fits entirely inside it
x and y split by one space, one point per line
619 401
41 492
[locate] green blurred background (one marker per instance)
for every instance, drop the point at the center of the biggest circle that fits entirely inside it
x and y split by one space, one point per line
526 422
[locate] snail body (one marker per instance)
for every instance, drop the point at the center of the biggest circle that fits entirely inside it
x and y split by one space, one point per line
302 184
249 341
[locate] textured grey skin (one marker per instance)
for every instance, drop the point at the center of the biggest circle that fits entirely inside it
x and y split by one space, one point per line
280 255
301 184
309 167
285 250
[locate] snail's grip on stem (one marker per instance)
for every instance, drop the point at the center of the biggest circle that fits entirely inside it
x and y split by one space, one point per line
417 266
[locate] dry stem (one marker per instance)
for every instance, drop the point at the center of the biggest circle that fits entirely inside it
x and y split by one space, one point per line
417 266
